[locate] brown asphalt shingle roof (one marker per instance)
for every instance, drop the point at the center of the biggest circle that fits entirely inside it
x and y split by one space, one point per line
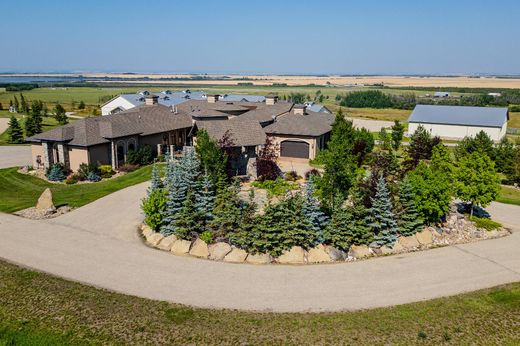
244 132
311 124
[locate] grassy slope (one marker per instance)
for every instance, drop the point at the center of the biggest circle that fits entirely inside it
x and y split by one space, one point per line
43 309
20 191
509 195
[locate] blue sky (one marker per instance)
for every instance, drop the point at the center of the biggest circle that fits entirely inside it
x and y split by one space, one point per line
347 37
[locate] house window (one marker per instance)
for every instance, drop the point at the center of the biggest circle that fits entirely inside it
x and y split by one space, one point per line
120 153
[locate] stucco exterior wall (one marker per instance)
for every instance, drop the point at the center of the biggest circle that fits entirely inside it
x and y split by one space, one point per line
77 156
313 147
37 150
100 154
459 131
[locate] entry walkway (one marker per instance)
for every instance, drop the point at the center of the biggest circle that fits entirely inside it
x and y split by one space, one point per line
98 245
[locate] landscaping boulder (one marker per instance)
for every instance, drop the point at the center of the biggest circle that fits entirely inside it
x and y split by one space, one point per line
336 254
386 250
236 255
45 201
296 255
408 242
154 239
147 231
260 258
219 250
318 254
359 251
181 247
425 237
167 242
199 248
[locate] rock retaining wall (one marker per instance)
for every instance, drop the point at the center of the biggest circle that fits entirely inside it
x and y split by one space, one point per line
455 231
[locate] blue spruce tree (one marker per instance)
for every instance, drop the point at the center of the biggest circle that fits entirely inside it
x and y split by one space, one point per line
205 200
312 212
156 182
409 220
381 219
190 168
176 194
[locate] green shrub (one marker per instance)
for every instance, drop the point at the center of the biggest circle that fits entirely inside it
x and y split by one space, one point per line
278 187
207 237
153 207
488 224
106 171
127 168
85 169
141 156
71 180
93 177
292 176
56 172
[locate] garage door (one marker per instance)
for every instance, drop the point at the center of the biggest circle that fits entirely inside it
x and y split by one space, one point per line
294 149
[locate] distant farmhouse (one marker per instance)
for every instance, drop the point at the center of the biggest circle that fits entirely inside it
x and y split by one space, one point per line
441 94
299 132
457 122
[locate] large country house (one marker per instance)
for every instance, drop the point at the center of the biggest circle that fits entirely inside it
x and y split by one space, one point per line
299 132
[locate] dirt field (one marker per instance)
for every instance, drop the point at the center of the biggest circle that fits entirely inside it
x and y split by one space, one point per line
396 81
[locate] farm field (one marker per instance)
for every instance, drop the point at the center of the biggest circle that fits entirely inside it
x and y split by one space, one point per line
38 309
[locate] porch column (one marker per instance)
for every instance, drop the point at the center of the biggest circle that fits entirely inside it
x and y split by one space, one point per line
63 154
113 154
46 158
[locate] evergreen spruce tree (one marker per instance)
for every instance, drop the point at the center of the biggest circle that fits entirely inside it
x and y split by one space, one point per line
312 212
190 168
16 104
176 195
156 182
409 220
15 132
205 200
186 223
381 218
227 211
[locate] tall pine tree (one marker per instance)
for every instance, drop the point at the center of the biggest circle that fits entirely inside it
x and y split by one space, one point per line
156 182
409 220
187 225
205 200
381 218
14 131
176 194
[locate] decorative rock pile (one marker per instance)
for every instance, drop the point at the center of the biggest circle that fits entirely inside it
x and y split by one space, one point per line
455 231
44 208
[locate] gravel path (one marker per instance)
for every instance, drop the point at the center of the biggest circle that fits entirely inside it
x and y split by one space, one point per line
98 245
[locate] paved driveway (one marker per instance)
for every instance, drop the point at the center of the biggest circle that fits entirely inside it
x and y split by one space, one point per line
371 125
15 155
98 244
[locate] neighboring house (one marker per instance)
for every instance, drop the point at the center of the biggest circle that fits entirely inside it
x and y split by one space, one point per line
441 94
125 102
107 139
314 107
457 122
12 109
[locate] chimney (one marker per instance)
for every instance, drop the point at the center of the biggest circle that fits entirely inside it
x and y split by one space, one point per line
150 100
299 109
213 98
270 99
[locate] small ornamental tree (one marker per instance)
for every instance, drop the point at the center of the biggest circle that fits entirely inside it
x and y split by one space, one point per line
266 166
14 131
381 218
60 114
409 221
313 213
384 139
477 181
153 207
432 190
397 134
212 157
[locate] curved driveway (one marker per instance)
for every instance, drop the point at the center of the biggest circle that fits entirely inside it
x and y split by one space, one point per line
98 244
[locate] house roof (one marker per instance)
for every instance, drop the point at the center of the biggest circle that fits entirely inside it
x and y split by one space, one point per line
142 120
459 115
244 132
264 113
309 124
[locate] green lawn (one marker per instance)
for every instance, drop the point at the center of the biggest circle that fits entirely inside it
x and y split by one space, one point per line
47 124
20 191
39 309
509 195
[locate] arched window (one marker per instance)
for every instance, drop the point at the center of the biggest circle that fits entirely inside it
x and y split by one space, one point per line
130 145
120 153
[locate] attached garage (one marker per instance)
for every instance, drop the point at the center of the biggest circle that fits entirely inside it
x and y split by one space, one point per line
294 149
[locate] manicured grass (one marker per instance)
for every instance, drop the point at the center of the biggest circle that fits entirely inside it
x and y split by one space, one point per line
37 308
20 191
509 195
47 124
